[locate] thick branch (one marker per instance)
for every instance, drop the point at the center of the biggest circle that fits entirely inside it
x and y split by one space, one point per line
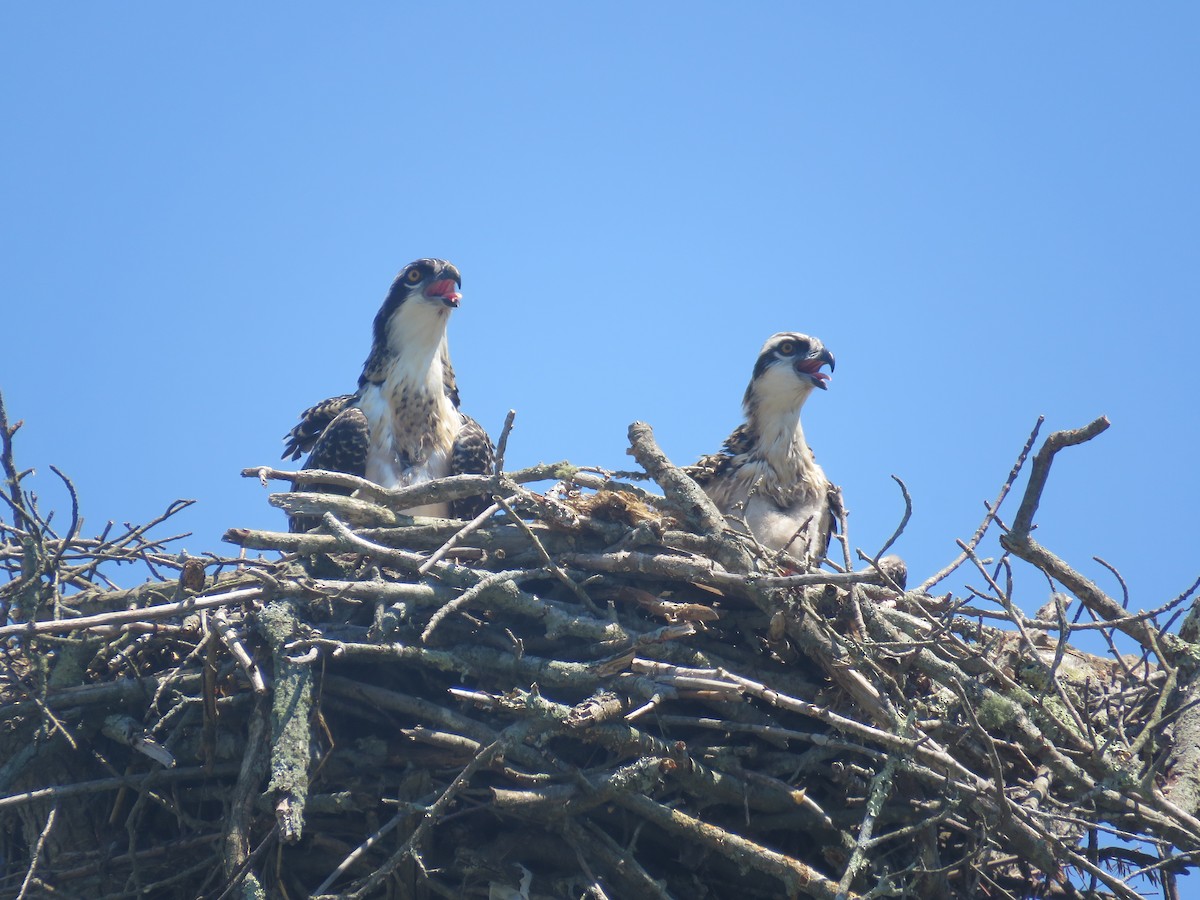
1020 542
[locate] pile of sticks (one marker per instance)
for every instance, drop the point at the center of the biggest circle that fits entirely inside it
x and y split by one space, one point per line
592 690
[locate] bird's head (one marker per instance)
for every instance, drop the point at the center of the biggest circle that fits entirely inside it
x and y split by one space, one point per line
788 368
430 281
418 304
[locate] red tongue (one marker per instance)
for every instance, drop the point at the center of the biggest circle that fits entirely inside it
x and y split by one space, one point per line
445 290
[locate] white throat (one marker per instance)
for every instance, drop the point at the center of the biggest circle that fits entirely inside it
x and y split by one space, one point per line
416 335
774 416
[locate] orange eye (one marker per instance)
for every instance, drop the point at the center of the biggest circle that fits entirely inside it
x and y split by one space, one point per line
413 276
787 348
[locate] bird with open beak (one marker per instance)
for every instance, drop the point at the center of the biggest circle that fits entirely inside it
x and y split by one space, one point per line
402 426
766 475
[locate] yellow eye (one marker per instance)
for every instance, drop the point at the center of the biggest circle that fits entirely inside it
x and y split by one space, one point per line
787 348
413 276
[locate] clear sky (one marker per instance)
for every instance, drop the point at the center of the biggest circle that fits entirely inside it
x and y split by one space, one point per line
987 212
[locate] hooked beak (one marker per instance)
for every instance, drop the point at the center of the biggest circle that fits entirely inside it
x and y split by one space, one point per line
809 368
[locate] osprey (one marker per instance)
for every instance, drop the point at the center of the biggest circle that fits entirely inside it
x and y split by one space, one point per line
402 426
766 473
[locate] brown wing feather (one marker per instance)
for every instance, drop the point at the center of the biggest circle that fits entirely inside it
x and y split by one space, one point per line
709 467
471 454
313 421
341 447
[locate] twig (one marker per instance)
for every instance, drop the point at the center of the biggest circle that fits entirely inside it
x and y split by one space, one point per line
512 734
36 855
502 444
452 487
233 643
162 611
454 539
903 521
101 785
554 568
236 839
796 876
1020 542
881 785
471 594
362 849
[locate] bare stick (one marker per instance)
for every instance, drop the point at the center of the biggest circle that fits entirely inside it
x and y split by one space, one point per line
455 538
434 812
361 850
502 444
452 487
554 568
37 852
1020 542
111 784
796 876
470 595
162 611
229 637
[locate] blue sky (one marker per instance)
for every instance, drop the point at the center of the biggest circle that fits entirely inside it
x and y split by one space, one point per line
988 213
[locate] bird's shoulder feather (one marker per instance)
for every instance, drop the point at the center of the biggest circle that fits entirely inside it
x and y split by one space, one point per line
716 464
472 453
313 421
343 445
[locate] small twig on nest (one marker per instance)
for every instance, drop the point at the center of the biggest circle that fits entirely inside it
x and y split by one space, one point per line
361 850
1019 540
458 536
36 855
236 838
513 734
101 785
162 611
554 568
469 596
796 876
502 443
452 487
233 643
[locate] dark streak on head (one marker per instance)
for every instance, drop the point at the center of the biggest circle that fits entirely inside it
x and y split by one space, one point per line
804 346
431 270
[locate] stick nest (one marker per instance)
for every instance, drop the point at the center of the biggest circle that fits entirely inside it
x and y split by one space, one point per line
596 690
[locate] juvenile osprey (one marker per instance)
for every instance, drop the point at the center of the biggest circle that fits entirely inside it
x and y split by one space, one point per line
766 473
402 426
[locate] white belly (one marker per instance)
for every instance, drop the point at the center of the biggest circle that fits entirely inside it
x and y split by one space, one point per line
385 465
777 529
385 470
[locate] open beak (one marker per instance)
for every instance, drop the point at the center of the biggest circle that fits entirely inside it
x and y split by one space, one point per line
445 290
809 368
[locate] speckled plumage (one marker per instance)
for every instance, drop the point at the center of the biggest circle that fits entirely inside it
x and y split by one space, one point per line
403 425
765 473
313 422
